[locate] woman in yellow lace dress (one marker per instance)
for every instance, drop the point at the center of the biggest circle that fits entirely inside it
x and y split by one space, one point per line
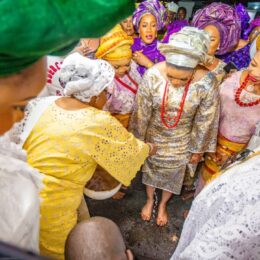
69 138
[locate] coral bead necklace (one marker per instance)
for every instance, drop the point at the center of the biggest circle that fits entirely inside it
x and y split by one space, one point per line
239 91
174 120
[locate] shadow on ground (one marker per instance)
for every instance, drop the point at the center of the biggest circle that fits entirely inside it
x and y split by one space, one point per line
146 239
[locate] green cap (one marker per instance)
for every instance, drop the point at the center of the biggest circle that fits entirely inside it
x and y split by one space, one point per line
31 29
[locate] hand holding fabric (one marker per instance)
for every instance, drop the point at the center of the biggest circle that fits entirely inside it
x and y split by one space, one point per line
153 149
195 158
142 60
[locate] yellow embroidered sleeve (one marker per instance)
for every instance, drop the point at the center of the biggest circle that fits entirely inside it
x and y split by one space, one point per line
114 148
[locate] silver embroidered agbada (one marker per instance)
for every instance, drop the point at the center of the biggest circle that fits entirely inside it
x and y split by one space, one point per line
196 131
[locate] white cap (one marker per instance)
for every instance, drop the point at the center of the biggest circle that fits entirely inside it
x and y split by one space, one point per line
172 7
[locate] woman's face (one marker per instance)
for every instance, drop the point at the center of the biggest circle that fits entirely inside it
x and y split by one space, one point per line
254 67
148 28
17 90
128 27
121 67
214 39
254 33
170 17
178 77
181 14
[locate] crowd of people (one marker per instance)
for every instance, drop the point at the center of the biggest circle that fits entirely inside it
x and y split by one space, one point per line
146 89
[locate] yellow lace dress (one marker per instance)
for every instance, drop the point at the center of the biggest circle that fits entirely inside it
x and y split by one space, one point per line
66 146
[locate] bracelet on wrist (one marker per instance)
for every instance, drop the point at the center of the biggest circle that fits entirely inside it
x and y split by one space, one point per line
150 147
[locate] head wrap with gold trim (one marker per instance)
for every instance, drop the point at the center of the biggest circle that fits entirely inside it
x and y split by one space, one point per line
115 45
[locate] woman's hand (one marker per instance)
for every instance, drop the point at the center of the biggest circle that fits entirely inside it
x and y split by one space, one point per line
87 46
142 60
195 158
153 149
83 48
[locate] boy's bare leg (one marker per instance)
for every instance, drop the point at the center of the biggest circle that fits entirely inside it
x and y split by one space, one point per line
162 217
148 207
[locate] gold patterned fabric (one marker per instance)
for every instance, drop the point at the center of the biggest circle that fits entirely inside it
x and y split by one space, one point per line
258 43
196 131
219 74
226 149
66 146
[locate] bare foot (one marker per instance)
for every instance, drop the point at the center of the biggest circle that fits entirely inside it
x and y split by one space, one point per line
187 196
185 213
147 210
162 217
119 195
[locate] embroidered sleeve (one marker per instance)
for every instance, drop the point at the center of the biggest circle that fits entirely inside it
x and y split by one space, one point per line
205 124
142 109
115 149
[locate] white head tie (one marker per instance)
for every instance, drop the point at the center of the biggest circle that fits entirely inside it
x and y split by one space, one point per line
84 78
181 60
172 7
187 47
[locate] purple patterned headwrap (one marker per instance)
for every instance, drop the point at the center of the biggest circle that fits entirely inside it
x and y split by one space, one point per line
225 18
253 24
153 7
244 18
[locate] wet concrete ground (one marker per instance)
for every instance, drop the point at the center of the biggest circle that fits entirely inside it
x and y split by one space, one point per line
145 239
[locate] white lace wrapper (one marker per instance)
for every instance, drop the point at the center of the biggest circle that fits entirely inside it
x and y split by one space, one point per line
224 220
19 198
